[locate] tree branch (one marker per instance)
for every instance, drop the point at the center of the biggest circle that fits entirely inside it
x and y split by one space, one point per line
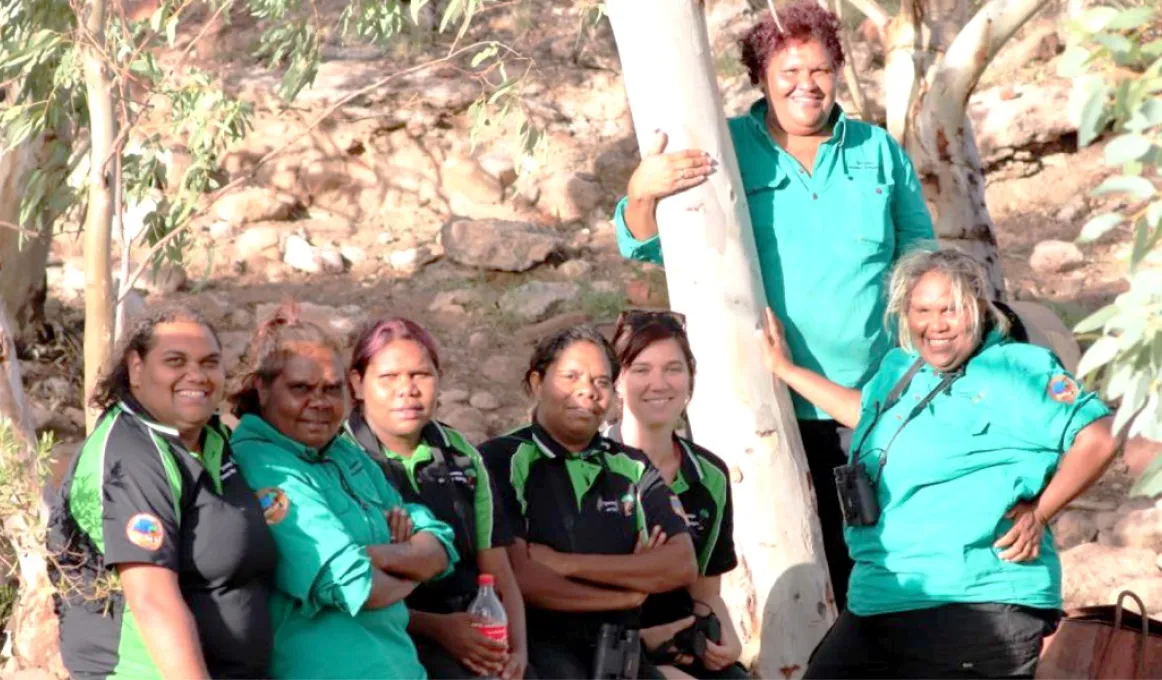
854 88
975 46
872 10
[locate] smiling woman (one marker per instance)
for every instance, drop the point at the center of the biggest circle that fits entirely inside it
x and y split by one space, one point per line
153 498
349 549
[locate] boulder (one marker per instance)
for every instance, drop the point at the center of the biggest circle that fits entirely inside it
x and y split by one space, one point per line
1053 257
484 401
258 240
1092 570
1016 116
454 396
165 279
575 270
1139 528
1047 330
535 300
253 204
570 197
504 369
463 178
501 245
533 333
342 321
1074 527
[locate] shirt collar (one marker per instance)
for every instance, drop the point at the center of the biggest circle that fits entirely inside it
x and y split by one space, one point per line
758 118
690 465
132 407
551 448
254 426
357 427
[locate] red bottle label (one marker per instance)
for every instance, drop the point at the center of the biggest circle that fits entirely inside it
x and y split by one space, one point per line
493 631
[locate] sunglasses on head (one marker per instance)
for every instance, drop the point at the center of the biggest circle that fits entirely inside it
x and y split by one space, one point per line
636 318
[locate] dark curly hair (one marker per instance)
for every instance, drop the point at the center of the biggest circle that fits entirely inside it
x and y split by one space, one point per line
113 385
550 348
802 20
268 351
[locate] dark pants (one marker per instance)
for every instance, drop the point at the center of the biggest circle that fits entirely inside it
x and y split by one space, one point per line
951 641
826 443
732 672
440 665
573 660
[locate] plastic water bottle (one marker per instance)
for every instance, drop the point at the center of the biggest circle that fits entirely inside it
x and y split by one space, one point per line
488 609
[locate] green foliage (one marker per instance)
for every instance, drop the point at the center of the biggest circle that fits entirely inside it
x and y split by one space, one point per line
1116 59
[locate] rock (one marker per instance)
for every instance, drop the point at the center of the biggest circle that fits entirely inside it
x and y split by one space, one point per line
166 279
1046 330
1139 528
411 259
257 240
253 204
1073 210
464 178
463 418
1149 589
643 293
68 280
342 321
484 401
478 340
569 197
58 389
575 270
1040 43
454 396
533 333
240 318
1074 527
332 260
499 244
219 230
301 255
499 166
1139 453
234 346
353 254
1052 257
1011 117
605 287
1091 570
40 415
504 369
535 300
453 301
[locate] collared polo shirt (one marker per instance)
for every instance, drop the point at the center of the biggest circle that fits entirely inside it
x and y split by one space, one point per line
324 507
459 492
598 501
135 494
992 438
826 240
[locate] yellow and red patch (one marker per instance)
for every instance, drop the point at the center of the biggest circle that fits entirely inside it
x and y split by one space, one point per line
1063 389
274 503
144 531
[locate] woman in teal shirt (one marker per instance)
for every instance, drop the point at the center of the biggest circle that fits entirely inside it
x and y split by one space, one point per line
955 574
347 557
833 203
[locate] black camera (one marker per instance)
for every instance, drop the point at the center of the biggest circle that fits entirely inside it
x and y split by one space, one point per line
693 639
618 653
857 496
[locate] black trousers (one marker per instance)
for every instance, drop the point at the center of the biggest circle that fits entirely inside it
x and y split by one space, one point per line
827 443
950 641
696 670
572 659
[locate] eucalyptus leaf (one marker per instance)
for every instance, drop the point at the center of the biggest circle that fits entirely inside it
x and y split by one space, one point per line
1099 354
1097 320
1126 148
1138 187
1098 226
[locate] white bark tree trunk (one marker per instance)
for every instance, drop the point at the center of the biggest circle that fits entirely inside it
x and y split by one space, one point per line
934 56
780 595
22 256
99 218
33 629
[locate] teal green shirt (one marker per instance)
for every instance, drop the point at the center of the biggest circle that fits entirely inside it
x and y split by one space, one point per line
993 439
323 508
826 240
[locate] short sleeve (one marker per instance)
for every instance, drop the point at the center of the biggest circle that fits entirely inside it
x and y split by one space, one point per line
649 250
320 564
139 510
492 530
497 457
424 521
662 508
1043 392
910 213
722 556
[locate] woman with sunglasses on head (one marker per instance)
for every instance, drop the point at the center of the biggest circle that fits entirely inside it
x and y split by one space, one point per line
163 560
395 377
596 528
655 386
348 554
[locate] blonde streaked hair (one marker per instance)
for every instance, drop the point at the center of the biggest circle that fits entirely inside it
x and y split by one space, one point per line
969 283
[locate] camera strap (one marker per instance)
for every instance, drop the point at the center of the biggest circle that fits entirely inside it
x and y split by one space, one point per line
893 398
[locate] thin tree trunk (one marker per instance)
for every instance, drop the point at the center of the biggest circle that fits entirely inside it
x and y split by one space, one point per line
23 256
780 594
34 631
99 219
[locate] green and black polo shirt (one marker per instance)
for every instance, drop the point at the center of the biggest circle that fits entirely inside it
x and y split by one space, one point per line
446 474
136 495
598 501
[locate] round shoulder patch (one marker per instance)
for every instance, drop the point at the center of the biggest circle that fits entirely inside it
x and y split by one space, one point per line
144 531
1063 389
274 503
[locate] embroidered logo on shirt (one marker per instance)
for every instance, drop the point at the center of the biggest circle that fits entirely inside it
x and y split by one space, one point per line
274 503
627 503
1063 389
144 531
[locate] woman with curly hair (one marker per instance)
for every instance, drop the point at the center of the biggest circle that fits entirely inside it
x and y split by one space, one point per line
833 203
164 559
